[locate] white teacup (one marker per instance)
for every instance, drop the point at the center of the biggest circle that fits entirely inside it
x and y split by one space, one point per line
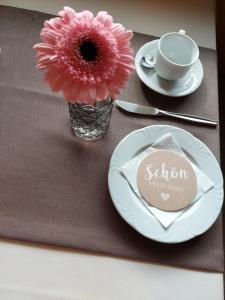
176 54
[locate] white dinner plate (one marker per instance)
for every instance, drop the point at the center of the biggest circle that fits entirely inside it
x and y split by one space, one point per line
174 88
193 222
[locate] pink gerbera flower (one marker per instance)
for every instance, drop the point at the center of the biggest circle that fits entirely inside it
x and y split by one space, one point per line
87 58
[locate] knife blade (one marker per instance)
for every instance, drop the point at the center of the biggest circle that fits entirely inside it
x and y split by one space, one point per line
136 108
152 111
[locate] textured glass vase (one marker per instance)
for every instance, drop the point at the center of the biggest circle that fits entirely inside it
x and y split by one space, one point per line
90 122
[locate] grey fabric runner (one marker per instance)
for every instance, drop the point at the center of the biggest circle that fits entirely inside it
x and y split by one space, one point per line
53 186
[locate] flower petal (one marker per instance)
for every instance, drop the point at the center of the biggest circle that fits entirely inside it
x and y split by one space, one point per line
67 70
104 18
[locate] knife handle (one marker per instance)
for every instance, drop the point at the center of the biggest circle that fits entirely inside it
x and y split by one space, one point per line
187 117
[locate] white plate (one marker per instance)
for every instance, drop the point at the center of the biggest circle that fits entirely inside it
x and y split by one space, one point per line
174 88
197 219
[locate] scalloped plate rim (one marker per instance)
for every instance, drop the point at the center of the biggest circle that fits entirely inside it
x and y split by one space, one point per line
149 82
168 235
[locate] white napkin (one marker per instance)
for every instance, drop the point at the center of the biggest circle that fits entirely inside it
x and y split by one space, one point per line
129 170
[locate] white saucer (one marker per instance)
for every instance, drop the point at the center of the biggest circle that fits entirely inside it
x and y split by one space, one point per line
174 88
195 220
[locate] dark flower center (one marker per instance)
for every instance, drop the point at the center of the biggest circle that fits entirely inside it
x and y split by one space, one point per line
89 50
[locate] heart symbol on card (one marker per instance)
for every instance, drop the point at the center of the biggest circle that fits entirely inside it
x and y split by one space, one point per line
164 196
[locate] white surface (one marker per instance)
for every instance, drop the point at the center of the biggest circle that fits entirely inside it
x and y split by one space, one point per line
153 17
32 273
176 55
29 273
167 142
178 88
193 221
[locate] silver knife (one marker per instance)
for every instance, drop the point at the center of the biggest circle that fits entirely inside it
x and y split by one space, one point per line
152 111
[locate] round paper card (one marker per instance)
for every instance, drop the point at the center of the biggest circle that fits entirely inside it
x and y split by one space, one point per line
166 180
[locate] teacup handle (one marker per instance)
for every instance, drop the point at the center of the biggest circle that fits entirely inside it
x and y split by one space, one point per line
181 31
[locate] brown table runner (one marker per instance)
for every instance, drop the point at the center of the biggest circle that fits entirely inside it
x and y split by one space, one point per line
53 187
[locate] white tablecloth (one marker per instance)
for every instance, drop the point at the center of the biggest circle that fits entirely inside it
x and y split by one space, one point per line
43 273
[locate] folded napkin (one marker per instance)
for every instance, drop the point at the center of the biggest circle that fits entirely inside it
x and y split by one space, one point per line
130 169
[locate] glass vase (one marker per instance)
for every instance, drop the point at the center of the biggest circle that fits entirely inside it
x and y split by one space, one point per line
90 122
